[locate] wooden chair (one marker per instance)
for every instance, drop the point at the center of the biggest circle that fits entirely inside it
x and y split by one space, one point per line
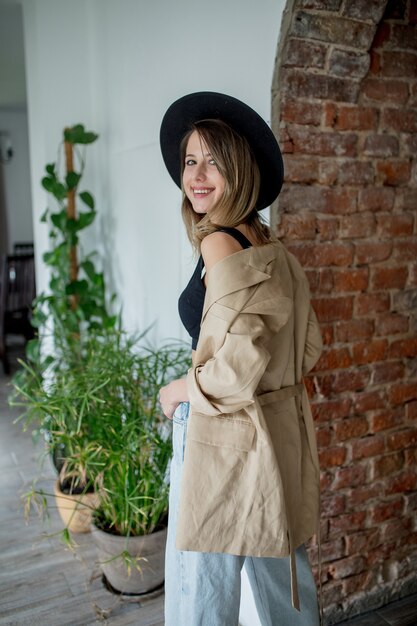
17 291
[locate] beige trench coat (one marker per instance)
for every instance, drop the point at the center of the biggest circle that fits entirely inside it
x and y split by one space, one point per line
250 482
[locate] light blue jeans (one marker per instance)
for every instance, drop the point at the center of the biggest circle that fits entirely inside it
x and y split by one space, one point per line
203 588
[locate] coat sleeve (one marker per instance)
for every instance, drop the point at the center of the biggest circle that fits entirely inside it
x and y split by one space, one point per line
227 381
314 342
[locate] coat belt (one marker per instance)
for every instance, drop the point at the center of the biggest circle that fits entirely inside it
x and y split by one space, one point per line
280 394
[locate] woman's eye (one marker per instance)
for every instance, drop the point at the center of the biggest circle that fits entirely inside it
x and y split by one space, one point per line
190 162
213 162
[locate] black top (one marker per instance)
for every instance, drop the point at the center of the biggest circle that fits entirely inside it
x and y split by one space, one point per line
191 301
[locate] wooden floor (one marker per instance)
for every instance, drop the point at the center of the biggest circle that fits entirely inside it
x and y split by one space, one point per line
43 584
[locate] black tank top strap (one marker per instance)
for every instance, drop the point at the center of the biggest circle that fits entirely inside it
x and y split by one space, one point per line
240 237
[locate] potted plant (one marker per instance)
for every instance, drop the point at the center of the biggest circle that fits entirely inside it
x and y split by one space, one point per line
47 385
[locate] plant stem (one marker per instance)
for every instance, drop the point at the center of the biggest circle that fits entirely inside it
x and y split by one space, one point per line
72 214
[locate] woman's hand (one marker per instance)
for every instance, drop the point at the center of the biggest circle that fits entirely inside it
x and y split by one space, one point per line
171 395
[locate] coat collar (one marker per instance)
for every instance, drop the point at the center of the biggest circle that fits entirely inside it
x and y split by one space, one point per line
239 270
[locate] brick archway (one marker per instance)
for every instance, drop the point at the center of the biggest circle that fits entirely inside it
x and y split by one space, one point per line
345 109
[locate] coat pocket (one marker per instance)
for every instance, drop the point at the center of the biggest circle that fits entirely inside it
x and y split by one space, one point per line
225 432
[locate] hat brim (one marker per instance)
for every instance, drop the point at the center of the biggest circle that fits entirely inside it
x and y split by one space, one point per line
193 107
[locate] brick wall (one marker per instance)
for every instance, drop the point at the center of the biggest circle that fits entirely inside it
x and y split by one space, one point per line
345 109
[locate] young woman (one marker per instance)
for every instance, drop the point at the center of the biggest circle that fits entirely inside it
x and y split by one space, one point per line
244 478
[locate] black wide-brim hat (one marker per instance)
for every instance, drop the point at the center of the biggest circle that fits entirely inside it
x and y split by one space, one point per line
245 121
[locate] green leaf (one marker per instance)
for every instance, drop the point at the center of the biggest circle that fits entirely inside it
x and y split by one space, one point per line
32 350
44 216
77 287
50 169
89 269
87 198
78 134
72 179
59 220
58 190
48 183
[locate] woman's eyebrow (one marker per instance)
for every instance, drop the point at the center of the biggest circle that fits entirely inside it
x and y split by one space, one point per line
193 155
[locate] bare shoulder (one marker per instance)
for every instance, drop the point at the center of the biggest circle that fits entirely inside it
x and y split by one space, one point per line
217 246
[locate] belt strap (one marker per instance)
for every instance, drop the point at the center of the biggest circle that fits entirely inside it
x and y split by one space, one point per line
281 394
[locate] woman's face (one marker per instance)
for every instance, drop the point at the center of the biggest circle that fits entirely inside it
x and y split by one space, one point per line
203 184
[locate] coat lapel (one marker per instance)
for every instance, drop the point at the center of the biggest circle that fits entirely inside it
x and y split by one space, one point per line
238 271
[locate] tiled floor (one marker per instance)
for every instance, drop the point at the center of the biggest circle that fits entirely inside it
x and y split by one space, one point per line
43 584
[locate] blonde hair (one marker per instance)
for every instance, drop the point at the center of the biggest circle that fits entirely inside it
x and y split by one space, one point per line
237 165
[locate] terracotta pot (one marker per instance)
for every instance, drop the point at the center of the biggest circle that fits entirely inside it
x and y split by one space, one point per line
75 510
150 574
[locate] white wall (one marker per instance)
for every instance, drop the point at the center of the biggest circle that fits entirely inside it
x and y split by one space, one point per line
116 65
16 176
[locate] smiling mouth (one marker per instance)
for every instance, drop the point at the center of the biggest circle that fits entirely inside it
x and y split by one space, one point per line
201 192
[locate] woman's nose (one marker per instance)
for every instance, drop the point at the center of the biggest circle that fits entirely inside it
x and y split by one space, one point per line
200 172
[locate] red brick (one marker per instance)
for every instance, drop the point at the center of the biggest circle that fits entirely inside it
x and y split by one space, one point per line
305 53
329 309
369 352
405 250
296 112
406 481
330 551
323 438
410 145
372 303
351 380
333 593
373 445
410 456
351 476
332 457
381 146
385 90
402 439
373 251
395 225
345 63
400 120
328 171
387 510
334 359
351 280
356 118
354 330
403 348
350 427
357 225
328 228
404 36
362 542
320 255
410 502
298 226
300 84
396 528
391 324
394 173
401 393
347 567
331 410
298 198
389 277
327 334
385 420
307 140
354 172
347 523
300 170
359 495
376 199
411 410
409 199
398 64
387 465
333 505
387 372
325 280
369 401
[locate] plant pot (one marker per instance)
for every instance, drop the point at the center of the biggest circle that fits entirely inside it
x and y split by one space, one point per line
75 510
151 572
